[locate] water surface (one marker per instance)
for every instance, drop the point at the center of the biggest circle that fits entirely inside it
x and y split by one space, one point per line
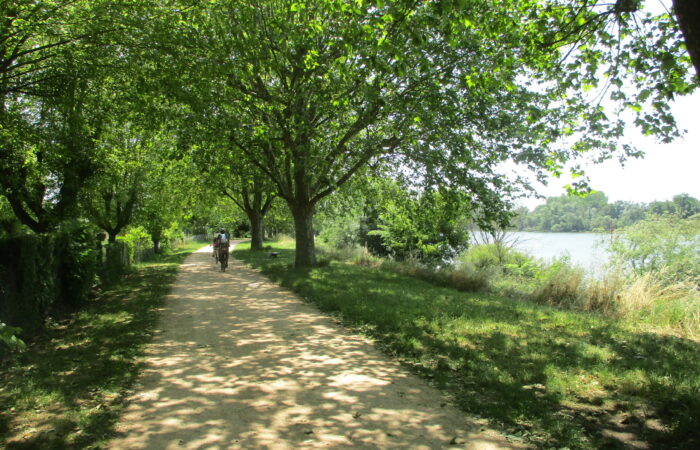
587 250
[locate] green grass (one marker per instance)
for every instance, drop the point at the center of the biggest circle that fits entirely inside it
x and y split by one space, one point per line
554 377
67 389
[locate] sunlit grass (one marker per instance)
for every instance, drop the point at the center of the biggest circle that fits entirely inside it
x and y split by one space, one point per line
555 377
67 389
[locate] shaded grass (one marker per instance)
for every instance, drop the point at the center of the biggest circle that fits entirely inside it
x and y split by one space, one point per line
67 390
555 377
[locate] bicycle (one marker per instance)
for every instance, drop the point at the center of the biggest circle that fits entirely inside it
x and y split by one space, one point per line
215 252
222 256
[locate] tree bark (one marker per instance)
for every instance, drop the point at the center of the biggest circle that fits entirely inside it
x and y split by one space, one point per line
112 236
38 226
156 238
688 15
255 205
304 233
256 230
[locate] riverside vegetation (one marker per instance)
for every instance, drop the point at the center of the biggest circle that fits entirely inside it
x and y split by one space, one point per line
554 357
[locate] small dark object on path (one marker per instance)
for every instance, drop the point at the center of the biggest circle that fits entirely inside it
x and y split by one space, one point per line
274 254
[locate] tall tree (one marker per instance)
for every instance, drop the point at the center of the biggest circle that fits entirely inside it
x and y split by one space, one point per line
123 161
56 58
229 173
445 89
254 197
168 191
688 14
50 150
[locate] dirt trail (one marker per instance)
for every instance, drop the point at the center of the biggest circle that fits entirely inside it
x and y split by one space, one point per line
239 362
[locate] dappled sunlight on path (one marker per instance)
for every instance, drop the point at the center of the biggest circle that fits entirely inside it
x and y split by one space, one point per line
238 362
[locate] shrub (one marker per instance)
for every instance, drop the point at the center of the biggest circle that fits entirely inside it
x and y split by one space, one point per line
173 236
40 274
464 278
9 339
76 257
603 295
469 278
505 259
661 242
117 258
138 241
647 297
28 282
350 254
561 285
651 298
486 255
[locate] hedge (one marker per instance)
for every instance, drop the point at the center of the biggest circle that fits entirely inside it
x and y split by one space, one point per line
44 274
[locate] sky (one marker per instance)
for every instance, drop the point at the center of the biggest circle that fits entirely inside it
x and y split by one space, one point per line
665 170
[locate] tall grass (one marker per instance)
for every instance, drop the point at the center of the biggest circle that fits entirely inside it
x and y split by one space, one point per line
649 298
557 378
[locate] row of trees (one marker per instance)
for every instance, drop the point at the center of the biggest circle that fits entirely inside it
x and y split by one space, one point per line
595 213
77 137
117 111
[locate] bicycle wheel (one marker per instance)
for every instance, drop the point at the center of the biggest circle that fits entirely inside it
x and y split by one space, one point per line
224 260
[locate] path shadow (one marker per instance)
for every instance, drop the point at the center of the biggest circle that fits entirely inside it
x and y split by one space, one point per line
245 364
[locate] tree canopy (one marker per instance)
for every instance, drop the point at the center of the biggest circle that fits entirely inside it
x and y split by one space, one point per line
300 97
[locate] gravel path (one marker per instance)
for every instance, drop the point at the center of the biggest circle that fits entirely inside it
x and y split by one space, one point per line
239 362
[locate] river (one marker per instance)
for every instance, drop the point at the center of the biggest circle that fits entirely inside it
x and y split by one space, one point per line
587 250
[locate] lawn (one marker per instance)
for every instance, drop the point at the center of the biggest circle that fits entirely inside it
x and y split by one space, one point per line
552 377
67 389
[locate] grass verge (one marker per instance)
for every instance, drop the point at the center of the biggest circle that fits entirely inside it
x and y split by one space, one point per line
67 389
554 377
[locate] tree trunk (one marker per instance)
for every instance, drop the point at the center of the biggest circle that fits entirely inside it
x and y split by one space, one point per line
304 233
112 236
256 231
688 14
156 237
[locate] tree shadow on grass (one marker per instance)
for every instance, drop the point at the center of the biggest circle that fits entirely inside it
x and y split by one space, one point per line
85 364
562 378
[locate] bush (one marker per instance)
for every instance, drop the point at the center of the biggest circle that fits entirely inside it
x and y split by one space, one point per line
173 236
117 259
560 285
353 255
658 243
647 297
138 242
40 274
28 281
463 278
469 278
77 262
9 339
503 258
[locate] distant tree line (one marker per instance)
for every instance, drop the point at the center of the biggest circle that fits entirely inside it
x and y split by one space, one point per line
595 213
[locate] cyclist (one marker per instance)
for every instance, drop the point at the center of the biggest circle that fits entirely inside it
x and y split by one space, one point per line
223 245
215 247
